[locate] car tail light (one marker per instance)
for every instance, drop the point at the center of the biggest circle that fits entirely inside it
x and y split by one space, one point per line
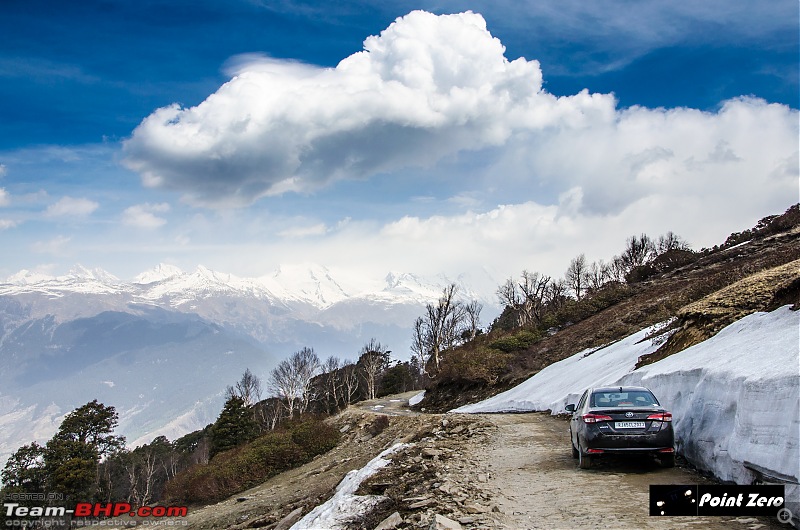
595 418
594 451
661 416
667 450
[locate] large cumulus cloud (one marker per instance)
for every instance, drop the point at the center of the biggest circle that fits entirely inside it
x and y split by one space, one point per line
427 87
430 87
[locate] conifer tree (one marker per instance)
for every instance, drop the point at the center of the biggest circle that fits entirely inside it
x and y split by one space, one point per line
234 426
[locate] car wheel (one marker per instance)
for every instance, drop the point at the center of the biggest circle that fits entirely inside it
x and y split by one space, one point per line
584 460
572 445
667 460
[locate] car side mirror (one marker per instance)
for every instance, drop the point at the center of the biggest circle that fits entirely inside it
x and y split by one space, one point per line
570 407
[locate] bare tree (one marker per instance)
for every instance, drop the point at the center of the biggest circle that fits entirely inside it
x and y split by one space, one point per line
508 295
639 251
617 270
598 274
556 295
373 360
419 345
285 384
332 382
349 382
140 468
271 412
472 317
671 241
576 275
534 289
248 388
441 326
291 379
525 297
305 363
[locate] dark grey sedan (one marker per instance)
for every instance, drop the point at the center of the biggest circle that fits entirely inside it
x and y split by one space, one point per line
620 420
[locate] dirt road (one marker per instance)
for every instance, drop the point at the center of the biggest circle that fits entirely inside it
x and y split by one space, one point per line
498 471
533 480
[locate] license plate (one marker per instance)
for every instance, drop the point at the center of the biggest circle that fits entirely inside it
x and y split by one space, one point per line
629 425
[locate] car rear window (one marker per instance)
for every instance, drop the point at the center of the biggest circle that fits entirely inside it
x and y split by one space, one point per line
638 398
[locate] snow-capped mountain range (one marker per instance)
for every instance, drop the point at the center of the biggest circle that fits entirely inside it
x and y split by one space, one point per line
310 284
163 346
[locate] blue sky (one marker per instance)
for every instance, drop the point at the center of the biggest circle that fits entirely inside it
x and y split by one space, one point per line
453 144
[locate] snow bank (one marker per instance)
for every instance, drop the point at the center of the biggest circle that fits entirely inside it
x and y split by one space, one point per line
339 511
563 382
735 398
414 400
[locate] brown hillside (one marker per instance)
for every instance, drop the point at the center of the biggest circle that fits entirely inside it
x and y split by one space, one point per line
721 286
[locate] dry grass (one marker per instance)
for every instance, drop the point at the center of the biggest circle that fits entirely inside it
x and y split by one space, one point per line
704 318
752 293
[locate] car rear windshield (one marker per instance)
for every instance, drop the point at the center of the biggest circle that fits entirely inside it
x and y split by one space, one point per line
636 398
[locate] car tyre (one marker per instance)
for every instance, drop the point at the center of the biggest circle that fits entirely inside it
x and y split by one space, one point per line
574 451
667 460
584 460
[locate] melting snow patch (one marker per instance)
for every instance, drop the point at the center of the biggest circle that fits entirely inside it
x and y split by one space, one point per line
340 510
416 399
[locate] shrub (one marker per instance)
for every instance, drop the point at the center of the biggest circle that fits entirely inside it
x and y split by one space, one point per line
521 340
477 364
248 465
315 437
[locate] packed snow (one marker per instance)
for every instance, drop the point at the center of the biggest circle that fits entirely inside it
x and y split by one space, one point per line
416 400
735 397
563 382
340 510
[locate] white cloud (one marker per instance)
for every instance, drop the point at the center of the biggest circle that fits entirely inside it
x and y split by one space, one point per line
144 215
574 174
427 87
318 229
73 207
3 170
56 246
738 153
430 87
5 198
5 224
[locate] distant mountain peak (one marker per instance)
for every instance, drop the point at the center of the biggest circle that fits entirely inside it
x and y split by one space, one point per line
161 272
28 277
80 272
310 281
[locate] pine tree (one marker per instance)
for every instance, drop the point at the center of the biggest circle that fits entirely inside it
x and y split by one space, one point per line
72 456
234 426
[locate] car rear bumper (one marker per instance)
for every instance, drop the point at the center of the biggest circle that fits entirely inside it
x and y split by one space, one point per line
631 443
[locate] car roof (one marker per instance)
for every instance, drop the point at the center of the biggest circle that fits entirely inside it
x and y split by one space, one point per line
620 389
